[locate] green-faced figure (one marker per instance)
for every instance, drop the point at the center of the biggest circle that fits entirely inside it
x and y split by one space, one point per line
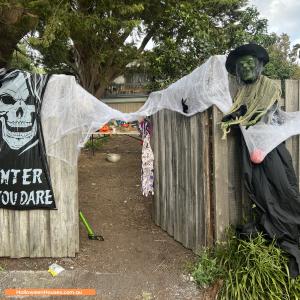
247 62
248 69
269 178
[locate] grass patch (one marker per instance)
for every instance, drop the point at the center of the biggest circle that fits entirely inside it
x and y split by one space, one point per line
254 269
96 144
207 270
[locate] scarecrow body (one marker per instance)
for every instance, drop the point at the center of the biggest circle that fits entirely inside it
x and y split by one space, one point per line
270 181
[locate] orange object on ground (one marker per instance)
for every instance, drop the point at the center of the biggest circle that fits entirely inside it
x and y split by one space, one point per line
104 128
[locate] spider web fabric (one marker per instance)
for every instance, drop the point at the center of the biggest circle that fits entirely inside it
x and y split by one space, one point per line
70 109
276 127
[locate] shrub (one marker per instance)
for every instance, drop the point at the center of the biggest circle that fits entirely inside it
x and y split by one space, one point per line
253 269
207 269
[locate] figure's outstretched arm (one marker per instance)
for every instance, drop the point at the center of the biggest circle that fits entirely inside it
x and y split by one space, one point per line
236 114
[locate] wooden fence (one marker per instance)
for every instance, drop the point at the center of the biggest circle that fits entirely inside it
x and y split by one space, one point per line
44 233
126 104
199 189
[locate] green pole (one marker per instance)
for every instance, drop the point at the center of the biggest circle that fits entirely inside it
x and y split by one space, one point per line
86 224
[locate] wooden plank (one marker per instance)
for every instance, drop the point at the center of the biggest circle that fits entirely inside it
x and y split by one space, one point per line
14 249
58 226
36 232
187 182
69 194
55 215
45 235
76 213
177 129
198 169
182 171
220 175
194 157
70 199
4 233
19 233
292 144
206 179
155 139
166 170
162 170
126 107
170 172
71 214
64 221
181 181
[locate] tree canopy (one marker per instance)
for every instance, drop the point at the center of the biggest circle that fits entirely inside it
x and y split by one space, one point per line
17 18
282 59
96 40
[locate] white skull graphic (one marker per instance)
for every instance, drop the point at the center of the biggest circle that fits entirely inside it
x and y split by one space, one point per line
16 114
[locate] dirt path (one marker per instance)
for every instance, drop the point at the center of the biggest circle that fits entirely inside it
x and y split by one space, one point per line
139 259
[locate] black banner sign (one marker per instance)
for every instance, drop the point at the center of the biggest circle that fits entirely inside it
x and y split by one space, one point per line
24 175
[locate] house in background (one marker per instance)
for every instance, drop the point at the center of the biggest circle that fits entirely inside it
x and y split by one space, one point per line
128 92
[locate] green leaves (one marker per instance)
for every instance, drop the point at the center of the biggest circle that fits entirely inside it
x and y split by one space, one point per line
282 59
95 40
207 269
198 30
253 269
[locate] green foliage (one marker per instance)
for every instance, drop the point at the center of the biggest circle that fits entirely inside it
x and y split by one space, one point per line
96 144
21 59
255 269
207 269
96 40
282 59
249 27
204 31
88 39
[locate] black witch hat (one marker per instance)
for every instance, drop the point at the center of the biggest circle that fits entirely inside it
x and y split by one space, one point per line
248 49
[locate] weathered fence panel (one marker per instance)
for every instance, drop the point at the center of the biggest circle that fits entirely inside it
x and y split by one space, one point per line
44 233
199 187
182 193
126 104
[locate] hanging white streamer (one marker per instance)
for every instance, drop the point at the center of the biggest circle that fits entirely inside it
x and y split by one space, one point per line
73 110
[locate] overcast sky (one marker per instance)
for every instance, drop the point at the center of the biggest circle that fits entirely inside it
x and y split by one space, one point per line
283 16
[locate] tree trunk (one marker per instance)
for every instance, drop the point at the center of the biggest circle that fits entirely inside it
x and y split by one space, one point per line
93 77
